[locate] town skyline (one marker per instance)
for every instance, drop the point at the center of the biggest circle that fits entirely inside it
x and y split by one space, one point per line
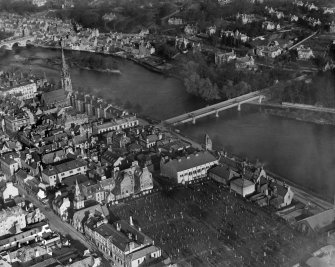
86 180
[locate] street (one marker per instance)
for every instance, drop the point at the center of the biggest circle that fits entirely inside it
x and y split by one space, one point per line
55 222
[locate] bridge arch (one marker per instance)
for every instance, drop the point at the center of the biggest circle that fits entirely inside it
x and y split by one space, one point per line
16 44
5 46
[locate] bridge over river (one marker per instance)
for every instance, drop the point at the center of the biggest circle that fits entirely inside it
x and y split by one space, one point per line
216 108
22 41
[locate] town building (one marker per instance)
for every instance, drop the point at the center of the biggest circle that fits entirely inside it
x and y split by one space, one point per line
332 27
282 196
190 29
224 57
222 174
10 163
12 220
39 3
10 191
14 123
224 2
242 186
272 50
189 168
247 62
175 21
117 124
81 216
55 174
30 233
134 180
305 53
61 205
26 90
129 246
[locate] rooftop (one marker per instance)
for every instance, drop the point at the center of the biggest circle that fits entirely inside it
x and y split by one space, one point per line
190 161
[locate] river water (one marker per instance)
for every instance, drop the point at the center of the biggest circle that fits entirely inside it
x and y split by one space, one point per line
301 152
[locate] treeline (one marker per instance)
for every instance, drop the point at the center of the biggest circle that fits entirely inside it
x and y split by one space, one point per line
5 35
319 91
19 7
210 82
129 17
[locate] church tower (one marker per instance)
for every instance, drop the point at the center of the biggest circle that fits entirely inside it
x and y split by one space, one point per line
65 76
208 143
78 201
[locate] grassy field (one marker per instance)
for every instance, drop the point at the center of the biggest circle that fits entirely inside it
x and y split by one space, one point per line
204 225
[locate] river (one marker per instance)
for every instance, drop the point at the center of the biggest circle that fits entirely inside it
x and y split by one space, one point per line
302 152
136 88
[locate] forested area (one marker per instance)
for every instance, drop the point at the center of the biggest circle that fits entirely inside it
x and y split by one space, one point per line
210 82
17 6
319 91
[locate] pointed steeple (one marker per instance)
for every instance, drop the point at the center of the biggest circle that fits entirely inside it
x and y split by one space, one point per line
78 201
208 143
77 192
65 75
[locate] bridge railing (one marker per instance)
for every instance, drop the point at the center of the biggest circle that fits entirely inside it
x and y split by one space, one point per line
217 105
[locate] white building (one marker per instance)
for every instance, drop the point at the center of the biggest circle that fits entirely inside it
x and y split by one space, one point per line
117 124
305 53
190 168
10 191
224 57
39 3
55 174
22 91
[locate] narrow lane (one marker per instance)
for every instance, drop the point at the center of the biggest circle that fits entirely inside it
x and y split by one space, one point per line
55 221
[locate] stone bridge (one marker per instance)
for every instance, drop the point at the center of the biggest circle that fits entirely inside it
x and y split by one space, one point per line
23 41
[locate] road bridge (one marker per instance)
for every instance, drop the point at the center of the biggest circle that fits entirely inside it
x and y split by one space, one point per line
23 41
216 108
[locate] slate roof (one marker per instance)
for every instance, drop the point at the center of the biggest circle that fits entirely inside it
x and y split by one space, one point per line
121 238
55 96
191 161
221 171
241 182
65 166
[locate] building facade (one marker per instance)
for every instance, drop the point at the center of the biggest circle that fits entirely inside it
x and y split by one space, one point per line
187 169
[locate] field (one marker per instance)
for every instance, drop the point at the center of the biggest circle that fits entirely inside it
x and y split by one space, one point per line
206 225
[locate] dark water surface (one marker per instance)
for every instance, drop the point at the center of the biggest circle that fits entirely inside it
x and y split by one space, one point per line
301 152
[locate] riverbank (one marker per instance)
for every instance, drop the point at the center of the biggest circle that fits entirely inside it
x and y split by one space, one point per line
322 116
302 194
116 55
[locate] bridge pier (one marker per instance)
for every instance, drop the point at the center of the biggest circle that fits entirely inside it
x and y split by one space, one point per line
260 99
193 120
217 114
239 107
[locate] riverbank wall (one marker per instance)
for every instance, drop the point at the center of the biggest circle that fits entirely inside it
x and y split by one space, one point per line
115 55
300 112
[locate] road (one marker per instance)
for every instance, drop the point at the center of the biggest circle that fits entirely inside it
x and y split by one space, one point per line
56 222
302 41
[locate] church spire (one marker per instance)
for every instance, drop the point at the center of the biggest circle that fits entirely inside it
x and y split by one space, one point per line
77 192
78 201
65 75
